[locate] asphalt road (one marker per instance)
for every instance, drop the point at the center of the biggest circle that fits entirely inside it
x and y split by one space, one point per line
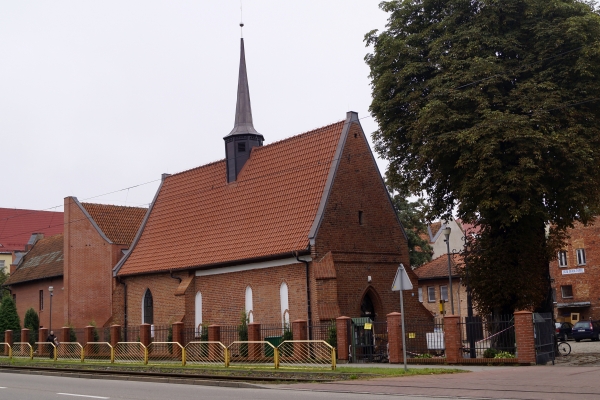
36 387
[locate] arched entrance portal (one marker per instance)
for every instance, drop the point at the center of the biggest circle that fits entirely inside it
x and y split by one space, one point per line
370 305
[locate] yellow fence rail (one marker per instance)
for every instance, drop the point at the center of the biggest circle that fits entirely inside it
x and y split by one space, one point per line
22 350
290 353
101 352
306 353
6 350
166 353
130 353
44 350
206 353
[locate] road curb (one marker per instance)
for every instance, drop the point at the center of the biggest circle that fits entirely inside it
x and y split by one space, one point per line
124 377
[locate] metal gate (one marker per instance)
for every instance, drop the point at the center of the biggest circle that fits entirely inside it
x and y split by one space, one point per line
543 327
369 341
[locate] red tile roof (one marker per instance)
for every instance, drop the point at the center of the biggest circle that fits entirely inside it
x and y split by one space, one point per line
438 268
16 226
119 224
44 260
269 210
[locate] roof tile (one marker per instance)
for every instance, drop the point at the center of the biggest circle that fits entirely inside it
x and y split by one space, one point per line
120 224
44 260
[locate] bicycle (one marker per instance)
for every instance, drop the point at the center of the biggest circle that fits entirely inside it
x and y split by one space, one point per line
562 348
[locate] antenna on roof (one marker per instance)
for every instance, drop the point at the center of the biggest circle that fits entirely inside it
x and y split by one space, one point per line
241 20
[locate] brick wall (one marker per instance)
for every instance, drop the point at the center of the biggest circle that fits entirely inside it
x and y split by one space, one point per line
586 285
371 244
89 260
28 296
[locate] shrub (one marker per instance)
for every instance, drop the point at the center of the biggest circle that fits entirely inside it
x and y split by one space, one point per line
32 322
243 333
9 318
490 353
332 334
287 333
504 354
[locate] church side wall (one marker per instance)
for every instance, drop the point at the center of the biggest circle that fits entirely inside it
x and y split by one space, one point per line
361 230
28 296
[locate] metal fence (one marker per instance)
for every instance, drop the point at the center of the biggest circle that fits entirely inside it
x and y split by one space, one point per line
543 326
425 339
231 333
487 336
161 333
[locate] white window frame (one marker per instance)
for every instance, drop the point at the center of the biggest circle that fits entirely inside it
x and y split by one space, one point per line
249 304
442 287
198 313
420 290
580 256
562 259
562 292
430 291
284 303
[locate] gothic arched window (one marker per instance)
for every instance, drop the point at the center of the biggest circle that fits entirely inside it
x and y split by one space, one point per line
148 308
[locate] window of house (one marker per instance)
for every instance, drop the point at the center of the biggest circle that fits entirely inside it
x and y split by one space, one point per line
284 303
566 291
41 300
444 293
14 298
431 294
420 294
241 147
249 307
2 265
562 258
198 313
148 308
360 217
580 256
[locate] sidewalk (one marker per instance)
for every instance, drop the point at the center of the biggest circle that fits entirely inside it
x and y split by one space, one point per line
538 382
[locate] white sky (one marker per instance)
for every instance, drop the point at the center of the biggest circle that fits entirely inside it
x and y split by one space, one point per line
100 96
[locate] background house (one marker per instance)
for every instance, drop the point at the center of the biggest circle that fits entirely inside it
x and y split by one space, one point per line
576 275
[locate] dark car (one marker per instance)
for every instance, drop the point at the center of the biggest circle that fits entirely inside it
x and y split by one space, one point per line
586 330
563 331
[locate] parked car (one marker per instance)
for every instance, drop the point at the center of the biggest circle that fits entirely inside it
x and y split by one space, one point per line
563 331
586 330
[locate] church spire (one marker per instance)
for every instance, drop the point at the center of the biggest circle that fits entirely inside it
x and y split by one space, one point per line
243 136
243 110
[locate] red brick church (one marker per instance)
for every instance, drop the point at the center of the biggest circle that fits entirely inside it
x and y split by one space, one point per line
302 228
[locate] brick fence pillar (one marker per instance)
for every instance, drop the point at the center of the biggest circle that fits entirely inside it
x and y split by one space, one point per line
214 335
89 335
343 327
254 349
145 334
25 335
64 334
525 337
8 338
178 338
115 335
42 337
394 321
300 329
452 340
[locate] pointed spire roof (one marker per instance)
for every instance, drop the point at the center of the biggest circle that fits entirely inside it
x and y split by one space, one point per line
243 110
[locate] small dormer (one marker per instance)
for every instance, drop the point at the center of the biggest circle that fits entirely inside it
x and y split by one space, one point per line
243 137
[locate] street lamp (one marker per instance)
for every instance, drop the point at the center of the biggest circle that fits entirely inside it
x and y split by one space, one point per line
446 231
51 290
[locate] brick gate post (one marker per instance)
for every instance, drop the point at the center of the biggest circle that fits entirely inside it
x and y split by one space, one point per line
145 334
115 335
254 349
343 326
394 321
25 335
64 334
42 337
214 335
89 335
452 340
177 337
300 329
8 338
525 337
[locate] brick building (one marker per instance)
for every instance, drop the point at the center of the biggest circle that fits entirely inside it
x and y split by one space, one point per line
576 275
16 227
38 270
77 264
302 228
434 283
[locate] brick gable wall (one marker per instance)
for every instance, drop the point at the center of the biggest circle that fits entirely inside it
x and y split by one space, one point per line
89 260
28 296
373 248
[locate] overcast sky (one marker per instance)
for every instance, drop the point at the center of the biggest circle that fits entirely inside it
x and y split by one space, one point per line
100 96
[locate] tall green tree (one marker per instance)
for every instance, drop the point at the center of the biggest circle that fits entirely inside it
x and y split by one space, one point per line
9 318
412 216
3 277
491 108
32 322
